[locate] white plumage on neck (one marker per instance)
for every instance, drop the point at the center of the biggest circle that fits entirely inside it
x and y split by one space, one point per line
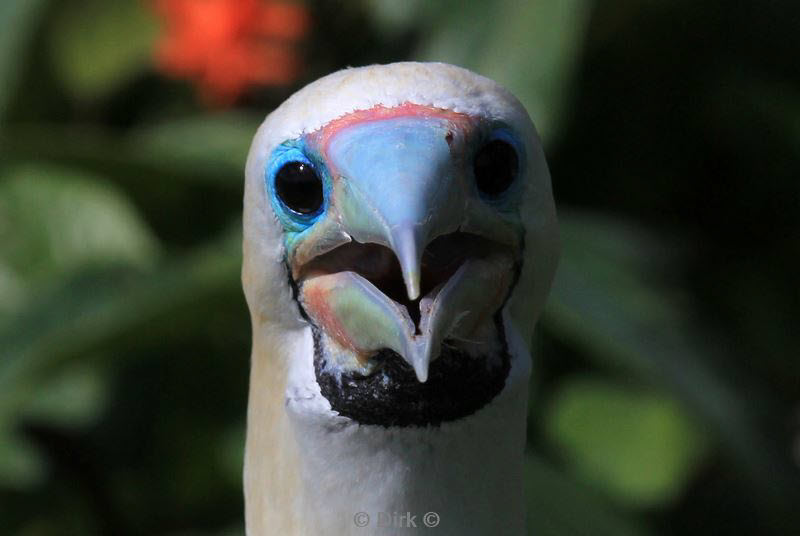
323 470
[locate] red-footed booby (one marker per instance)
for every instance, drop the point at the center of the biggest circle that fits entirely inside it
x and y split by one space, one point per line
400 239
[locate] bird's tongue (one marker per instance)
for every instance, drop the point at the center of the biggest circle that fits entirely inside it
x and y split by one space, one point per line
361 320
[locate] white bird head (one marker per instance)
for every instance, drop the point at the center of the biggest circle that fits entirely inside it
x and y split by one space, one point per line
399 227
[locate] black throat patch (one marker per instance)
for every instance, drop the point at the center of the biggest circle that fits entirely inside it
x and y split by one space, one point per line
458 385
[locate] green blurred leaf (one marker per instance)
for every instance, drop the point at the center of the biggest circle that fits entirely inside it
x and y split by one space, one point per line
21 466
209 148
609 303
97 45
230 453
216 143
54 220
639 446
12 290
91 313
531 48
559 506
394 17
17 20
74 398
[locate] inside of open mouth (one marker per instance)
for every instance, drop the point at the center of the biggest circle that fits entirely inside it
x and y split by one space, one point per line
379 265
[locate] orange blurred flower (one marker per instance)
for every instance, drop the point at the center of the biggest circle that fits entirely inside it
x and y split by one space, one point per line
228 46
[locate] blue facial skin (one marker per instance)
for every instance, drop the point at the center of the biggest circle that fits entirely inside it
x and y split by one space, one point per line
401 166
295 223
374 155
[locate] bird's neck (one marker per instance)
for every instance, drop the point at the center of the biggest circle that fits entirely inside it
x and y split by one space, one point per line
306 473
271 480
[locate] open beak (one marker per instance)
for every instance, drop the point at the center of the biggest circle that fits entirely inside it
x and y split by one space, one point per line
403 259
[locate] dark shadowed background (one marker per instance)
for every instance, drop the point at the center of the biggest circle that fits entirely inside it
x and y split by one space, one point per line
666 392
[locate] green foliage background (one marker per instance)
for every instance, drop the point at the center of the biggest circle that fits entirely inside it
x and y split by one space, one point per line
666 393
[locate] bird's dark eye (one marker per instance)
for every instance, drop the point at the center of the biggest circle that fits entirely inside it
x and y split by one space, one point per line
299 187
496 167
